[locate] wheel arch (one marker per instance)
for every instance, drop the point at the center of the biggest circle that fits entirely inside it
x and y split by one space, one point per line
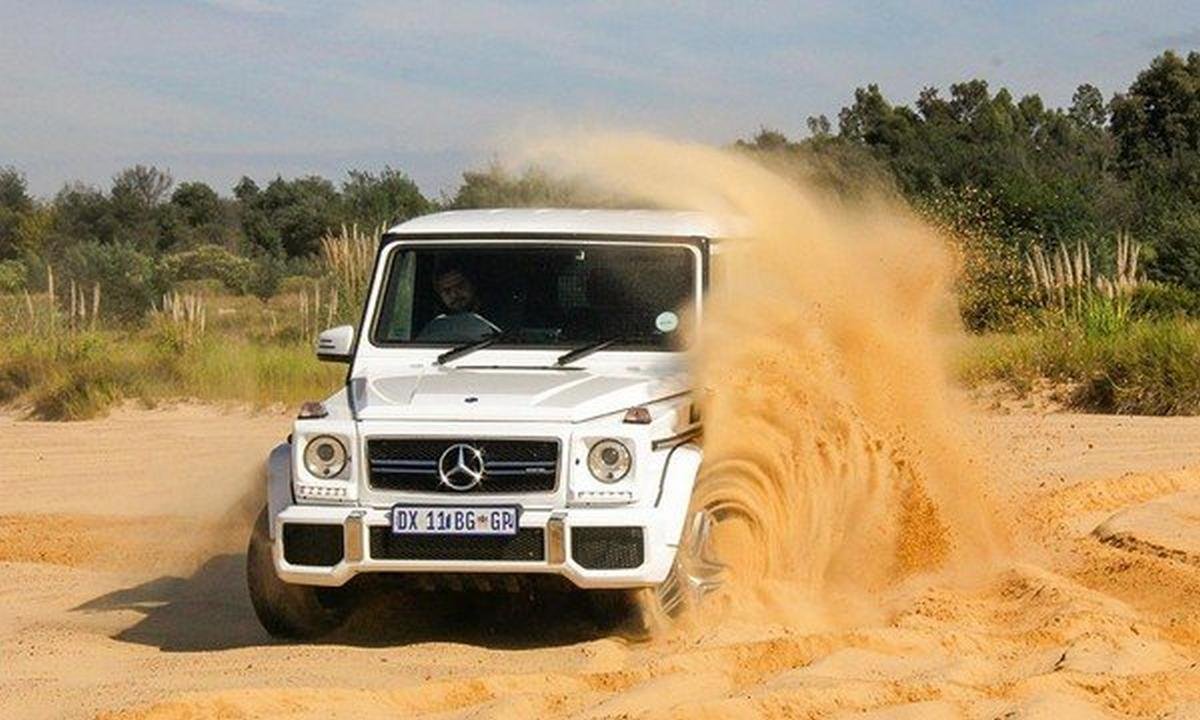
279 483
675 491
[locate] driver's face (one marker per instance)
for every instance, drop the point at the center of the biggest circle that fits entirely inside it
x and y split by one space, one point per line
456 291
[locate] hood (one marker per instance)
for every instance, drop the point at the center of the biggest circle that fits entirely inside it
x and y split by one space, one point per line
487 394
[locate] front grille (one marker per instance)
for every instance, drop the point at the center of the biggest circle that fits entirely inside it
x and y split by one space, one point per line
306 544
607 548
510 466
526 546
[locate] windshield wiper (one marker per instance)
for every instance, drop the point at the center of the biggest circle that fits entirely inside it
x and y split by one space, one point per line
467 348
584 350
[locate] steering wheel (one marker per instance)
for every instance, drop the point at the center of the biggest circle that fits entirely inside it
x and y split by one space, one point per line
459 327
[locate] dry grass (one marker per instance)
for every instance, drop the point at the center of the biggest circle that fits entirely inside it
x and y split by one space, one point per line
1066 279
209 347
347 259
1149 367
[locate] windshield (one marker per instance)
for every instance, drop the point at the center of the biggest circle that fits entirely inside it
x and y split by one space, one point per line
548 295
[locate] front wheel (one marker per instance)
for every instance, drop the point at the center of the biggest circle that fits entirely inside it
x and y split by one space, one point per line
695 574
287 610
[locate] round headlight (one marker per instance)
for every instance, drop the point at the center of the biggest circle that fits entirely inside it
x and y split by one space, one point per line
609 460
325 456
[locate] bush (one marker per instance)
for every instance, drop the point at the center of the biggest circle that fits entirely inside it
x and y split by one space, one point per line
12 276
994 290
211 262
269 271
64 377
130 282
1164 301
1148 368
1151 370
81 393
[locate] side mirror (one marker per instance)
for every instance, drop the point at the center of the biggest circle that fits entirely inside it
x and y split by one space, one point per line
336 344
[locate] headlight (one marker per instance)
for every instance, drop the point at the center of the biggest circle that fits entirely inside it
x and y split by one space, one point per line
325 456
609 460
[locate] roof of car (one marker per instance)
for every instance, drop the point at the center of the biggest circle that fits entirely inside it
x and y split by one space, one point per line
541 221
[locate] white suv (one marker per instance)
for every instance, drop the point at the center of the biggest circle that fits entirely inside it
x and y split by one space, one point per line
517 409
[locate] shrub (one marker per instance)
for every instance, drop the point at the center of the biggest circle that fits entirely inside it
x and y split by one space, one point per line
1164 300
211 262
1151 370
80 393
1146 367
269 271
64 377
993 287
12 276
131 282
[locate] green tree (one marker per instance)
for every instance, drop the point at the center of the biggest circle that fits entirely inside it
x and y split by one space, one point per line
384 199
83 214
198 204
135 200
496 187
15 204
289 216
1159 117
1088 108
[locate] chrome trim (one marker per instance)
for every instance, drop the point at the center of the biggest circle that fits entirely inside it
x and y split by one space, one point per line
677 439
556 539
353 536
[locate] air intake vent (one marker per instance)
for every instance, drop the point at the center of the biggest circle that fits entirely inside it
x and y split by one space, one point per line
607 548
317 545
527 545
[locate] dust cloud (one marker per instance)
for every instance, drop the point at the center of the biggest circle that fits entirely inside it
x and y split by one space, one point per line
836 456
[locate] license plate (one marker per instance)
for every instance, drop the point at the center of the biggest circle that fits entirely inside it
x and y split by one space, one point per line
454 520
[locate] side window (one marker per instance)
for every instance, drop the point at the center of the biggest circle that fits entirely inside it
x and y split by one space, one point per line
396 318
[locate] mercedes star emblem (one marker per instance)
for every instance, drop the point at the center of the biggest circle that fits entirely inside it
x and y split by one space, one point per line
461 467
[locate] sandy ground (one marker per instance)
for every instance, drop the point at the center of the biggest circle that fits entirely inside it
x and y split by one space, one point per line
121 595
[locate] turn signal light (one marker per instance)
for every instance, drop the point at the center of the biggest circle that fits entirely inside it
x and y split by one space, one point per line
637 416
312 410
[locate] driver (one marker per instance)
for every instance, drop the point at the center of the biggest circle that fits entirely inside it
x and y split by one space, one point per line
456 290
463 319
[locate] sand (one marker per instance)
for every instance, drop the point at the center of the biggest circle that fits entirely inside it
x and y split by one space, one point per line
121 596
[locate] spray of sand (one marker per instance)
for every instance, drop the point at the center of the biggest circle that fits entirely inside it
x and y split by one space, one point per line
835 448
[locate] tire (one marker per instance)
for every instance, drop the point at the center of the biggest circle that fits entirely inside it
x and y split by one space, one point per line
612 609
694 575
287 610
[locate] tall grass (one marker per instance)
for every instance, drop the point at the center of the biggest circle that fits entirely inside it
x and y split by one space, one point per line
347 258
1090 341
79 376
1066 281
1149 367
60 361
224 348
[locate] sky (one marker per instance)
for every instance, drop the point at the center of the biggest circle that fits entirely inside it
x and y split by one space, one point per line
216 89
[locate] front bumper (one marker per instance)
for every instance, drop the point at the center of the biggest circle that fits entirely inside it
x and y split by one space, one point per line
557 526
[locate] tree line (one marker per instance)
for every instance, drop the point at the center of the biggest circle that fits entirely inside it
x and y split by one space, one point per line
1032 174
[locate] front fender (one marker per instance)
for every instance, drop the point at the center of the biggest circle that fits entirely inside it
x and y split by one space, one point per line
675 492
279 483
